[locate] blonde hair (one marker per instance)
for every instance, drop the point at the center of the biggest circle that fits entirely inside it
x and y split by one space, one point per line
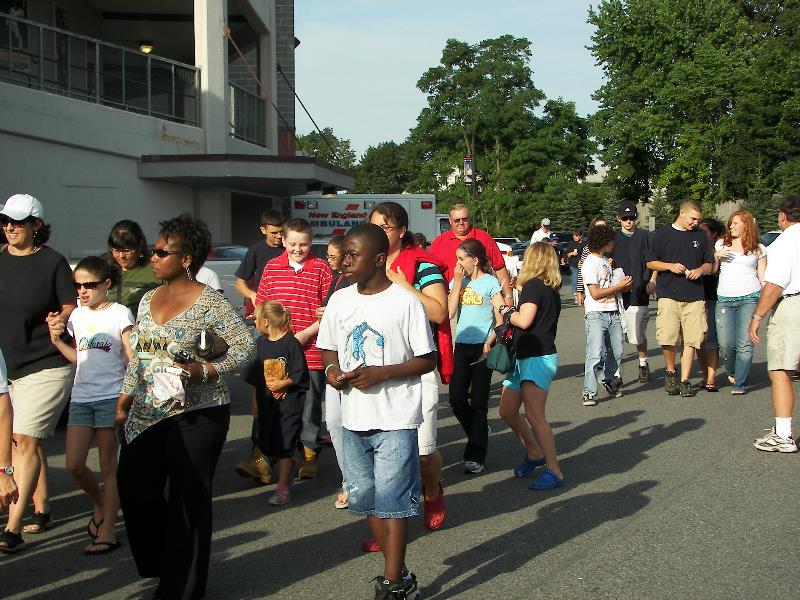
540 261
275 314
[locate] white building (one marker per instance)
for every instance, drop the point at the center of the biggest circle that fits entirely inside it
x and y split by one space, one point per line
99 130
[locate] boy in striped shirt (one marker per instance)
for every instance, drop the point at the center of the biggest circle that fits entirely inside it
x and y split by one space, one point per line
299 280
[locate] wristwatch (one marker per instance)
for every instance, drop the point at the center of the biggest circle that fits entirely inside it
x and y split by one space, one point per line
9 470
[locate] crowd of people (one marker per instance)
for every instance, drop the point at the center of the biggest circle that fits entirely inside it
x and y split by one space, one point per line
366 333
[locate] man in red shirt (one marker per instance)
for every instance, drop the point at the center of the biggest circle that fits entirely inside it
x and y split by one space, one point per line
300 281
444 247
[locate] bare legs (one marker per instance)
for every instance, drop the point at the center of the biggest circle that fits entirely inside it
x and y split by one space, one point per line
28 459
430 469
687 356
782 393
391 536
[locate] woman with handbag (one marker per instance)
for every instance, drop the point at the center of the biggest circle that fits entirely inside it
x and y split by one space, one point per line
535 321
471 291
175 411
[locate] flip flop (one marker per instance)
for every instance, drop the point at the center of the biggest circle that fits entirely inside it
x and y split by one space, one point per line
106 548
41 522
96 525
546 481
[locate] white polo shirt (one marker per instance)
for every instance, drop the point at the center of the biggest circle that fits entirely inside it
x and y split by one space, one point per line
783 260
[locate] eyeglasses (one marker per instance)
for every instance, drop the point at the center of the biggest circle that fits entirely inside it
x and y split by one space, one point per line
161 253
461 220
387 228
123 250
13 223
89 285
627 218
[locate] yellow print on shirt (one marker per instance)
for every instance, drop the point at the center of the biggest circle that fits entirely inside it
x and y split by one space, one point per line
470 297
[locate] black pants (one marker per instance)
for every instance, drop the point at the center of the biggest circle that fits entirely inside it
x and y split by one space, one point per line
471 408
164 478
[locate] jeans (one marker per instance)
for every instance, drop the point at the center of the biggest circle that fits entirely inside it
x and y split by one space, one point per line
573 277
312 410
598 326
733 320
471 408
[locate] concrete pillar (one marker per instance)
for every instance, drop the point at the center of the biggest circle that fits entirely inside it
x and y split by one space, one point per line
211 56
213 205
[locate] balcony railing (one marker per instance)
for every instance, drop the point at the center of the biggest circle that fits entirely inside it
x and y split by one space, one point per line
248 116
60 62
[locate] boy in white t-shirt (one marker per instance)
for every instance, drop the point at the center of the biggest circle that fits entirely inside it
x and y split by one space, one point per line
376 344
602 314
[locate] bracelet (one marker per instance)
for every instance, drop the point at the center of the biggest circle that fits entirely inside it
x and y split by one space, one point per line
328 368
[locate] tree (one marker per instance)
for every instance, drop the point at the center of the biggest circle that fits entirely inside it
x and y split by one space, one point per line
382 170
328 148
661 210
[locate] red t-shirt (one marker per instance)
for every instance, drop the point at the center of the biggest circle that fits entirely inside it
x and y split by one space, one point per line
302 292
444 248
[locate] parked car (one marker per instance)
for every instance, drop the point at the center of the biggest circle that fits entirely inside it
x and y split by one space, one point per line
769 237
507 240
224 260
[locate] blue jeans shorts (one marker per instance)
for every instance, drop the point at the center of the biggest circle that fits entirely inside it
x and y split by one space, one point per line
539 370
92 414
382 473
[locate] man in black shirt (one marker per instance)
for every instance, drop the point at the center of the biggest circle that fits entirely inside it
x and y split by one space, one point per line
631 245
682 255
248 276
571 256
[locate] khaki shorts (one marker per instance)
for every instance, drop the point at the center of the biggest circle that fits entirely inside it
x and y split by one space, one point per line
430 413
38 400
676 320
636 320
783 336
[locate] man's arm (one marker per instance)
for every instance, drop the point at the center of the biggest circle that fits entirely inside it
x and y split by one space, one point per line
660 265
770 294
505 282
245 291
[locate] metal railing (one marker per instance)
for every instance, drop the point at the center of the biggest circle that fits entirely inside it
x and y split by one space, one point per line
248 117
57 61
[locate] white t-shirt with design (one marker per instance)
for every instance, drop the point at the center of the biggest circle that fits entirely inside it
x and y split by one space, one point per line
387 328
100 354
596 270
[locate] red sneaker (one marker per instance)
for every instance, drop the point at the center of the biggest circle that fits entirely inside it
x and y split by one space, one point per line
370 545
435 511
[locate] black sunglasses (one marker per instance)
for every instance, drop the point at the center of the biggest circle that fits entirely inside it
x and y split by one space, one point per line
627 218
89 285
13 222
161 253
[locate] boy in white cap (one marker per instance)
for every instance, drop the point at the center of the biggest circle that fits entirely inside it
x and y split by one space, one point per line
543 233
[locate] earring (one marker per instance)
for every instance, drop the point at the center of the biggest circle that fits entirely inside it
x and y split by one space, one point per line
189 273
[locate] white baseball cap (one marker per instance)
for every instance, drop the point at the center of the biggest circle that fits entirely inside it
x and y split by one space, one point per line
546 222
22 206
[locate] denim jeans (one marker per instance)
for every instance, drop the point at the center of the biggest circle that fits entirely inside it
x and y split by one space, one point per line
469 397
573 277
733 320
598 325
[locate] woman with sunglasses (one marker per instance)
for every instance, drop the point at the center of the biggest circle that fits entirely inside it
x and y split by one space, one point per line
127 248
37 290
175 411
98 343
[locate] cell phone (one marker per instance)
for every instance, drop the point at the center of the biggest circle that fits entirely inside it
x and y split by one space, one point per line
177 371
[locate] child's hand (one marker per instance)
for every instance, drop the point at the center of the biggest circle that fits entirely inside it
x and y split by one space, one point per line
336 378
458 273
275 385
279 395
625 283
57 329
319 312
364 377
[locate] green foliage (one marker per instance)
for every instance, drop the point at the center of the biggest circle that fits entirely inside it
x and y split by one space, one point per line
382 170
662 210
328 148
762 203
699 94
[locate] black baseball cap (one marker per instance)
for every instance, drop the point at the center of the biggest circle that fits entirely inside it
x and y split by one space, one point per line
626 209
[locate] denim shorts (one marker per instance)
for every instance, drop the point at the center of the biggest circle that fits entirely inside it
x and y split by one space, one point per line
92 414
539 370
382 473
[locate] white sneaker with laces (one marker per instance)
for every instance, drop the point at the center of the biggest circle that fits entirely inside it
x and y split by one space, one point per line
772 442
473 467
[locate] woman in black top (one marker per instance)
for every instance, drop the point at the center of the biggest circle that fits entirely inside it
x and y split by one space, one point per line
36 284
535 321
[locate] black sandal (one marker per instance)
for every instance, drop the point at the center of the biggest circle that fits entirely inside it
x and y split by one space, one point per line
10 542
97 525
41 521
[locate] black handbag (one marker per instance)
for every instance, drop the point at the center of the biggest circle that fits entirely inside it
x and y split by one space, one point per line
502 357
209 346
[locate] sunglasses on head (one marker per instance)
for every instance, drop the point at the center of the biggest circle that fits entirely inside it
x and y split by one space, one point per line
89 285
6 221
161 253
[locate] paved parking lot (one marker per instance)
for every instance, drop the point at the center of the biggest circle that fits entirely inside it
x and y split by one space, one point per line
665 498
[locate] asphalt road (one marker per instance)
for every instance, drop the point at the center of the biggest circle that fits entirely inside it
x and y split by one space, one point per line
665 498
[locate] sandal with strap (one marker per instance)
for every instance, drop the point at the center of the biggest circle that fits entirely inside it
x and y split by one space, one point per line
105 548
96 524
547 481
41 523
11 542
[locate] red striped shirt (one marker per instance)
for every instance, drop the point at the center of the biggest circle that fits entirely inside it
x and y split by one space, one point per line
302 292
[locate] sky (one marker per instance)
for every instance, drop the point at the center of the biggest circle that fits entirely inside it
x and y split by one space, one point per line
358 61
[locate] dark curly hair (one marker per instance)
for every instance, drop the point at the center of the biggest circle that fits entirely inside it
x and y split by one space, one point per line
99 267
42 234
599 236
128 234
192 235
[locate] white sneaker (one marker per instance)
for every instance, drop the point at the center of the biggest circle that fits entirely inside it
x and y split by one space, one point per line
589 400
473 467
772 442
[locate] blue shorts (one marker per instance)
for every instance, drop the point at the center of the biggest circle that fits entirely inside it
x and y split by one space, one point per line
382 473
539 370
92 414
